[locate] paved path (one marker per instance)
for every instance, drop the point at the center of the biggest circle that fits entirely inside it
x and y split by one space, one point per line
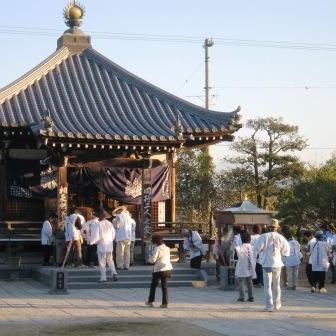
26 309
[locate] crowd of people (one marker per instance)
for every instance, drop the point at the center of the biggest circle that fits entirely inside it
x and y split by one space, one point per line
262 259
90 242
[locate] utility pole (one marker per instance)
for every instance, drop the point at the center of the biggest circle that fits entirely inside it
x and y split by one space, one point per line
207 44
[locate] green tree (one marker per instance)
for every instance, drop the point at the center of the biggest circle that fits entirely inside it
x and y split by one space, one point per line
267 153
194 185
312 200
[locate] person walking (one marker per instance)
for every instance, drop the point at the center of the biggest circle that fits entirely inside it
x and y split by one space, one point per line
103 235
245 267
309 272
161 272
320 253
47 236
293 261
123 226
256 229
193 243
271 247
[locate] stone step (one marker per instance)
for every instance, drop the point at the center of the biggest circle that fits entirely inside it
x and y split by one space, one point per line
130 278
95 271
137 284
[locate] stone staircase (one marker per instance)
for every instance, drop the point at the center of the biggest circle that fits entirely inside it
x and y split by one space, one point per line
136 277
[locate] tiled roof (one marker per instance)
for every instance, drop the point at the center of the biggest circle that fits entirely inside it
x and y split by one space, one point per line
91 97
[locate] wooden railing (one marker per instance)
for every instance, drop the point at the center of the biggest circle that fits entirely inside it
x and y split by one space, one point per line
25 231
178 227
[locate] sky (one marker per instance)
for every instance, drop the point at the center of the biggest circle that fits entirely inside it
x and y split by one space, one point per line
298 85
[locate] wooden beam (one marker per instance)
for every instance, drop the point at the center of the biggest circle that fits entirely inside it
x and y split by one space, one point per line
173 186
146 204
3 182
62 194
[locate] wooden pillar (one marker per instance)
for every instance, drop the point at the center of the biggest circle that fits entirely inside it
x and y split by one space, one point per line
173 187
3 181
146 220
62 194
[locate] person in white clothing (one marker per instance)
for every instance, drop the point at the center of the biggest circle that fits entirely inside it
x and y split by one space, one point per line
333 257
46 237
271 247
320 251
293 261
133 227
162 271
193 243
259 282
87 233
245 267
103 235
123 225
309 272
73 239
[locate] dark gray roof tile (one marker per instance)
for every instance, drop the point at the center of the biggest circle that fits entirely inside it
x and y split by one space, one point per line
91 97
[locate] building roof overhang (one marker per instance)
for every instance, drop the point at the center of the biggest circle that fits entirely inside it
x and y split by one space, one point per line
79 97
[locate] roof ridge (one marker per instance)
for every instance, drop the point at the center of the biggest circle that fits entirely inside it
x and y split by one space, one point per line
36 73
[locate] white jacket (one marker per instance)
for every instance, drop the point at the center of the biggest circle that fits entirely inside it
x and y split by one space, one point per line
254 238
246 263
295 255
133 225
194 244
320 251
46 233
88 229
161 258
71 232
123 226
333 246
271 247
103 236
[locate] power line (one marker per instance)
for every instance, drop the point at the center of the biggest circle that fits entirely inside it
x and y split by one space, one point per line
34 31
307 87
307 148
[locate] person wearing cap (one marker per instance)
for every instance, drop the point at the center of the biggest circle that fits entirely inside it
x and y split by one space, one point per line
103 234
193 243
320 252
271 247
123 225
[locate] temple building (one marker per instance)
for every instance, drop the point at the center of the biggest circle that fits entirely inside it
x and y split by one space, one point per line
78 129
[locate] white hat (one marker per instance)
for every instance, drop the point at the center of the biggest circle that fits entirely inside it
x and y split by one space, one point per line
122 208
275 223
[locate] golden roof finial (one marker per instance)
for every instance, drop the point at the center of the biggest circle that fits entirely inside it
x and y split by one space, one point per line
73 14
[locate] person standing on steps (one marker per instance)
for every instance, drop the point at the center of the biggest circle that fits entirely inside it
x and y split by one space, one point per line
271 247
103 235
123 226
47 238
161 272
193 243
